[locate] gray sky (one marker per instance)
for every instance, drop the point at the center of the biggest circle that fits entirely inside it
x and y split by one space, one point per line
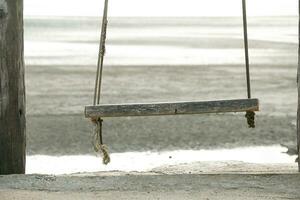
160 7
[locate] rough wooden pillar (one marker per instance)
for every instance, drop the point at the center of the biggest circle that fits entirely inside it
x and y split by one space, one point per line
298 81
12 88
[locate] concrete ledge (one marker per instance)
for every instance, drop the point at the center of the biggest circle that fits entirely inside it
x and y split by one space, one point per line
151 186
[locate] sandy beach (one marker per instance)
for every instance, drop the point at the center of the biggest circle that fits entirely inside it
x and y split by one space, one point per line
154 60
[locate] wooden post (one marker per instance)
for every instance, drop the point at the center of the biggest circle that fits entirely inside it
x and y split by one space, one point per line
298 82
12 88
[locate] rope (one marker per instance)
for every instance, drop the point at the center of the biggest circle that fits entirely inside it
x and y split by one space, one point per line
98 140
250 115
246 48
98 82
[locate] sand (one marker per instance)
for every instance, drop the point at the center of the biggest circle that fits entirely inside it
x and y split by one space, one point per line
152 186
152 60
159 59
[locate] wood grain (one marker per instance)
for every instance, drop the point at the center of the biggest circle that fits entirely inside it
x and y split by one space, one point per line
173 108
298 82
12 88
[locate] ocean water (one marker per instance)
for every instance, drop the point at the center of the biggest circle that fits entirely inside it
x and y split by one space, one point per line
177 8
158 41
61 56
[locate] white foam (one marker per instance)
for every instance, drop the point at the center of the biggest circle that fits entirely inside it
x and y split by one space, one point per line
159 8
145 161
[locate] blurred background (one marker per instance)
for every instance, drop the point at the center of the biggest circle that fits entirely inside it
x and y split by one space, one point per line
157 50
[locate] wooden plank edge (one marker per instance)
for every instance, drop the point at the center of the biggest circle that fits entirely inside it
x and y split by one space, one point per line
92 116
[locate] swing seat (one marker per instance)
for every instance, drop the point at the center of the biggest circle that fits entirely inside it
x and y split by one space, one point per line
171 108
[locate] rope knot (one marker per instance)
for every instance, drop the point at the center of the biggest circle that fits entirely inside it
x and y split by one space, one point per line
105 154
250 115
98 142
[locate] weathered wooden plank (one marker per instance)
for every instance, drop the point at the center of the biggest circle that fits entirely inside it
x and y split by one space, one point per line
298 82
12 88
175 108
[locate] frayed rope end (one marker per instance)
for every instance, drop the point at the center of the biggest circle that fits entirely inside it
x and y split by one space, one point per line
97 142
105 154
103 150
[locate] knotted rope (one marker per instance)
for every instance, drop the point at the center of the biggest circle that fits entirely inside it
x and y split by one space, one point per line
250 115
98 142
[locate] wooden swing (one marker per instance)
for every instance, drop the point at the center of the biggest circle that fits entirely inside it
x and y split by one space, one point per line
98 111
